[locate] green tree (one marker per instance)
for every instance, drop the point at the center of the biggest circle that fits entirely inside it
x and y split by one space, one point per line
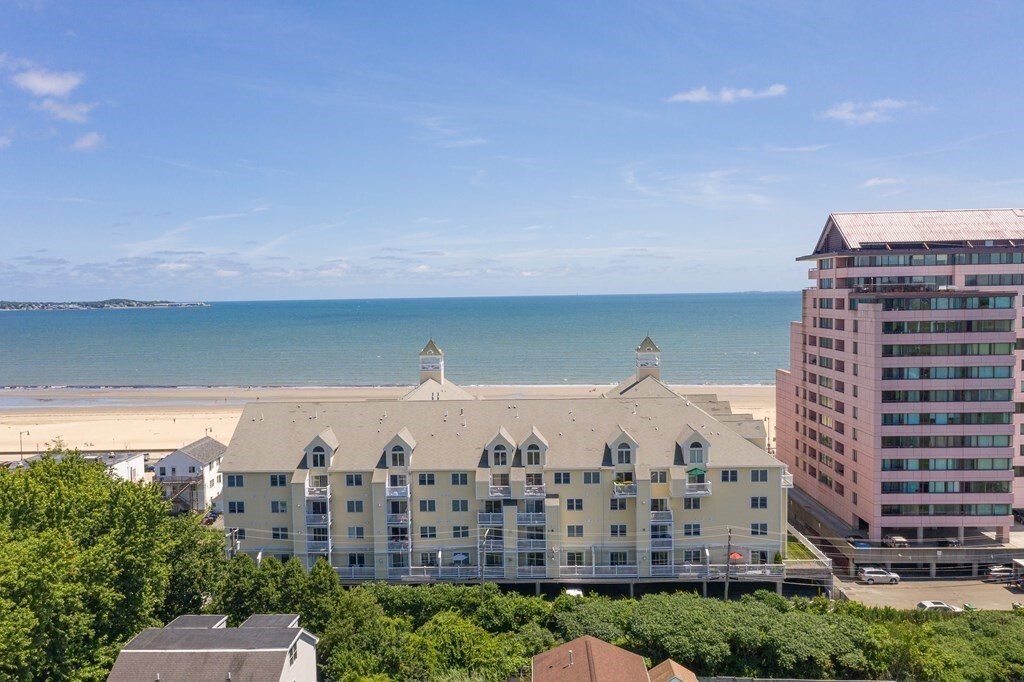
240 593
322 594
197 563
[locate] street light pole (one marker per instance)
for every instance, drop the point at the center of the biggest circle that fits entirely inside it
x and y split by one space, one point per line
480 560
21 443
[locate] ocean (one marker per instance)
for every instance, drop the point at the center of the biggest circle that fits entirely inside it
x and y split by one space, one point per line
734 338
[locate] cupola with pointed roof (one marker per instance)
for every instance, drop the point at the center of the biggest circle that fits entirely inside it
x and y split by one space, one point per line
648 360
431 363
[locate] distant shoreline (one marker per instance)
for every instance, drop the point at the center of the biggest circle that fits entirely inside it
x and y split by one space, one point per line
109 304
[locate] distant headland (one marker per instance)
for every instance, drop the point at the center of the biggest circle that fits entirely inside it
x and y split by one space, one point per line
109 304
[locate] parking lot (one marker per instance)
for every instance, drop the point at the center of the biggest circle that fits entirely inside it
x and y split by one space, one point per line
906 595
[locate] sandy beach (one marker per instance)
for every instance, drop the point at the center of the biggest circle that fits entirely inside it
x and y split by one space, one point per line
162 419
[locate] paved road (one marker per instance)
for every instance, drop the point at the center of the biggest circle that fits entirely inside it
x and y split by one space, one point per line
908 593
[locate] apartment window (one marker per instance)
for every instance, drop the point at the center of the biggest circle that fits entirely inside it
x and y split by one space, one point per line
696 453
426 479
659 476
574 559
277 480
163 471
428 532
428 559
591 478
236 480
574 531
460 531
691 503
574 504
562 478
692 556
499 456
236 507
730 475
758 476
759 502
855 498
279 533
191 469
355 533
624 453
278 507
618 530
428 505
618 505
356 560
618 558
238 532
759 529
354 506
293 654
533 455
691 530
353 480
460 479
398 456
460 505
319 457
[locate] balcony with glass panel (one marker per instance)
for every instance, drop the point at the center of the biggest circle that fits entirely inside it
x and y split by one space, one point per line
530 544
530 518
398 544
664 516
787 480
534 491
622 489
490 519
317 519
501 491
397 491
399 519
697 489
318 546
318 492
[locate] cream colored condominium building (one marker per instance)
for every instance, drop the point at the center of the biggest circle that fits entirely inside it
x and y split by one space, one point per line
637 483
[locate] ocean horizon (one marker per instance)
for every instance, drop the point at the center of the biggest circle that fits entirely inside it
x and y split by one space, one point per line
707 338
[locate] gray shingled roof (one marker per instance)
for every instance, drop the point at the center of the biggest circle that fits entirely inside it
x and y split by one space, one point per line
452 435
204 450
892 227
198 621
199 666
271 620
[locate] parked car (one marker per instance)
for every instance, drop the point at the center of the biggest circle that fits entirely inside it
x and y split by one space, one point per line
938 606
949 542
210 518
999 573
878 575
895 541
861 544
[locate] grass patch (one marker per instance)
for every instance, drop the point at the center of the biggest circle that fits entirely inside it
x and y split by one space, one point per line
795 550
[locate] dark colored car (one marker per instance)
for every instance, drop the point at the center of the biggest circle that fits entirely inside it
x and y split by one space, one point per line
949 542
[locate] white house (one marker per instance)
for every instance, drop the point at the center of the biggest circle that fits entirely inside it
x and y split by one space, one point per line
191 475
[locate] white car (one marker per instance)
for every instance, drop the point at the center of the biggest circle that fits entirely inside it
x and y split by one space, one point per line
895 541
1000 573
938 606
878 575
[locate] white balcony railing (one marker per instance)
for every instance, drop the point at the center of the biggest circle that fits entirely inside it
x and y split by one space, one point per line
490 519
399 491
661 543
494 571
318 546
532 571
316 519
698 488
662 570
530 518
501 491
661 516
398 545
493 543
787 480
397 572
355 572
318 492
627 570
530 543
534 490
398 519
624 489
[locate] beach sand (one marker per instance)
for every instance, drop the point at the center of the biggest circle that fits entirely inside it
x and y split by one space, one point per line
163 419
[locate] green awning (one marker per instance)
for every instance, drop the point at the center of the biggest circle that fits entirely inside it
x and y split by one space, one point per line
697 471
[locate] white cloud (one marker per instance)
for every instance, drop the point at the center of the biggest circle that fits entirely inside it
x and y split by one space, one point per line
703 95
66 111
881 182
858 113
43 83
437 131
88 143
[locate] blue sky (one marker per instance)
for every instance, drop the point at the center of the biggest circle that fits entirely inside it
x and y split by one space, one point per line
225 151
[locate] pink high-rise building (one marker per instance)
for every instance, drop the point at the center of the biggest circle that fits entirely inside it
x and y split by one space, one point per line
899 414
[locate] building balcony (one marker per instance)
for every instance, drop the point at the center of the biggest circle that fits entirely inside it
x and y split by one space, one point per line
318 492
317 519
398 545
500 491
530 544
787 480
318 546
661 516
397 491
398 572
398 519
494 571
490 519
355 572
535 491
662 570
625 571
661 543
532 571
530 518
493 543
624 489
698 489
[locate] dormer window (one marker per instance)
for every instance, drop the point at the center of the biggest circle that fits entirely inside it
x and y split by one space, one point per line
533 455
624 454
398 456
499 456
696 453
319 458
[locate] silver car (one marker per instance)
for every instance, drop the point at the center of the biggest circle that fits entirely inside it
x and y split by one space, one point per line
878 575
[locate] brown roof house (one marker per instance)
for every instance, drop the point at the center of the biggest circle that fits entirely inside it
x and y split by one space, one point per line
588 659
670 671
265 648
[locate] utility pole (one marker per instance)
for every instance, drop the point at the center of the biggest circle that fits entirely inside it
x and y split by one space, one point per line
232 542
728 565
480 560
21 443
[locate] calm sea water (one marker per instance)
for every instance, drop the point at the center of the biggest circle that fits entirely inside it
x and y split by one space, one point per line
705 338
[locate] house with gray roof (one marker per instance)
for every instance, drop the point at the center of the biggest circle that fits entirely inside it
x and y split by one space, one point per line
191 475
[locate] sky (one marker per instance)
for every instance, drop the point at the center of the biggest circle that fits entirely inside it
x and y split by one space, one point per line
249 151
